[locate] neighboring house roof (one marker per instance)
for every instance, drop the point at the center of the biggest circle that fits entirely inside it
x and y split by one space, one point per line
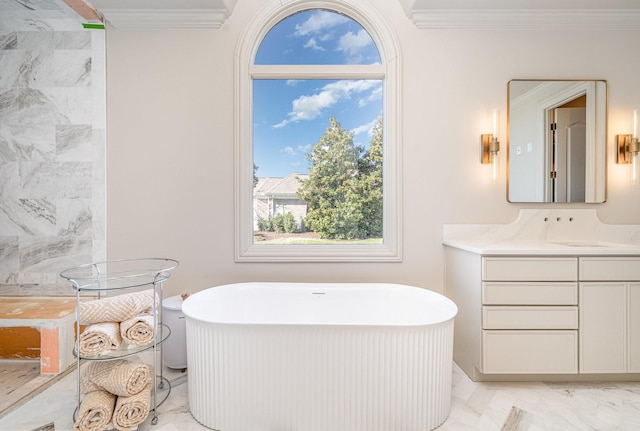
279 187
264 184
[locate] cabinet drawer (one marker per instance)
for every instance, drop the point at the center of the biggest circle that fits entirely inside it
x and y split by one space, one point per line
610 268
529 269
530 317
506 293
530 352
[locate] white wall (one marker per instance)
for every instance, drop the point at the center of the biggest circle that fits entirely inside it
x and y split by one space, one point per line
170 162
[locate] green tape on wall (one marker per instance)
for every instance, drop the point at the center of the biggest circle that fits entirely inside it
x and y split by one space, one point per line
92 25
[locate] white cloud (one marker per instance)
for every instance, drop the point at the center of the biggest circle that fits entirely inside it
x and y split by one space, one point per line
305 148
281 124
319 25
353 44
289 150
311 43
319 22
295 152
325 37
310 107
365 128
376 94
322 26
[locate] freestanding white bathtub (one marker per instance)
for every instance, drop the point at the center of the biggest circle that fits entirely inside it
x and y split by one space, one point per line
319 357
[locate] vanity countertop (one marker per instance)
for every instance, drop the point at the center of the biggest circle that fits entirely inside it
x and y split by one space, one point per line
547 232
528 248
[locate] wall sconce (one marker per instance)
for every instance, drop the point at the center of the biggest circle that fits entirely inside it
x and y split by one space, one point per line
490 147
627 146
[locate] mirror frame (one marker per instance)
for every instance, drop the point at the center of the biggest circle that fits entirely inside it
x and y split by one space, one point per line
550 93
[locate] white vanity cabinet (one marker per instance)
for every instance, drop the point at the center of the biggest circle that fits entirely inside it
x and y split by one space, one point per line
609 314
568 316
553 295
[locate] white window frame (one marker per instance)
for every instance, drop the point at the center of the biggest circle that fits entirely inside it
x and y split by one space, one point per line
388 71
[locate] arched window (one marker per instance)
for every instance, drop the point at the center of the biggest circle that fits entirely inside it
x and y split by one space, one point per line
318 139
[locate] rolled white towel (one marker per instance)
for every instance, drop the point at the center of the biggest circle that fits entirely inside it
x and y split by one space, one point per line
100 338
117 308
120 377
138 330
130 412
96 411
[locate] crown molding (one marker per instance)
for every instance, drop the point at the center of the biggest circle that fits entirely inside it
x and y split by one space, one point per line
524 18
165 18
170 14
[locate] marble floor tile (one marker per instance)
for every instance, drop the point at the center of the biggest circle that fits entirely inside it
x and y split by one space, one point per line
517 420
475 407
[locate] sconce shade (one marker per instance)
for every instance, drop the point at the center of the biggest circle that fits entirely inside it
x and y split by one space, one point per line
489 149
488 145
627 153
623 148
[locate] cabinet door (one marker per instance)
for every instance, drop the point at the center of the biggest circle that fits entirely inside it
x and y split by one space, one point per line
602 327
634 327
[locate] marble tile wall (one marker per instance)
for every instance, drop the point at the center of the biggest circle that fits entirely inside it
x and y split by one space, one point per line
52 146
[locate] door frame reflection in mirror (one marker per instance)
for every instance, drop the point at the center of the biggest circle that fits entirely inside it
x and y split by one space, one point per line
530 166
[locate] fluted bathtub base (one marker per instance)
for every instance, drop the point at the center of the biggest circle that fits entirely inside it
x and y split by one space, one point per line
319 377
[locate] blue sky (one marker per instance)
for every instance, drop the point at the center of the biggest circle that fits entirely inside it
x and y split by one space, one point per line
290 116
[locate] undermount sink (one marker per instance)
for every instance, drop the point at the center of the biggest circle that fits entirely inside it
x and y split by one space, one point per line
586 244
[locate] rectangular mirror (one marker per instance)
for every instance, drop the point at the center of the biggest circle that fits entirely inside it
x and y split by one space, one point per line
556 146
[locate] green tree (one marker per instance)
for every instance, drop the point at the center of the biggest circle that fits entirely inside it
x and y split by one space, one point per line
370 183
343 188
255 177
